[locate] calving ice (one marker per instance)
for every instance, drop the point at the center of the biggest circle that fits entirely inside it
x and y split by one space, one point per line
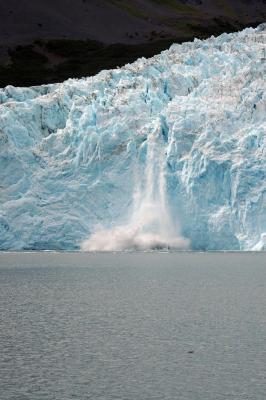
167 152
150 224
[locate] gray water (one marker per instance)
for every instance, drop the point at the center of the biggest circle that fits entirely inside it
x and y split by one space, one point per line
186 326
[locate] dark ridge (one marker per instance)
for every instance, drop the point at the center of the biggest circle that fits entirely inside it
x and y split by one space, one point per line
47 41
50 61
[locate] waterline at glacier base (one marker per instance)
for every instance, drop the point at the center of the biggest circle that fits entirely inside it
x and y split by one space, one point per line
167 152
151 225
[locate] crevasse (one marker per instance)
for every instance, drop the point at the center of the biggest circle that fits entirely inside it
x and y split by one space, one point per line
71 154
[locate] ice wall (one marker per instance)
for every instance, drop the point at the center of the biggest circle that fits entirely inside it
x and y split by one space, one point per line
69 152
150 225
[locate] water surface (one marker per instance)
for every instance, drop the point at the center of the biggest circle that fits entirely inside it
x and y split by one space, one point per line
133 326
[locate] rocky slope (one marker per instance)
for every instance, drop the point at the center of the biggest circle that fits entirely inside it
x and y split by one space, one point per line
62 39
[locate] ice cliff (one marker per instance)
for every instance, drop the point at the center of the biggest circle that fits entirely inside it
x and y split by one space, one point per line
184 130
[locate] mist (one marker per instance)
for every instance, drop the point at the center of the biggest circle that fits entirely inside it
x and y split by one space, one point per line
150 225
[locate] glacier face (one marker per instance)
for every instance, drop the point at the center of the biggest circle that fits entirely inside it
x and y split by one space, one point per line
69 151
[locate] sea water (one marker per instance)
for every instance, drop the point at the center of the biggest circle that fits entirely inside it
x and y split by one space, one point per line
133 326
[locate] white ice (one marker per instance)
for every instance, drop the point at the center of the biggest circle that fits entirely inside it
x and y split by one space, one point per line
165 152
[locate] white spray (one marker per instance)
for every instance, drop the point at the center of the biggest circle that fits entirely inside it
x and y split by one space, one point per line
150 225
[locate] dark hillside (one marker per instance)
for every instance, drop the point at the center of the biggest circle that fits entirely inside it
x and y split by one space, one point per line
45 41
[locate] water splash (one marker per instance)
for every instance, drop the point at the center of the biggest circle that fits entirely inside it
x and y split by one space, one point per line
150 226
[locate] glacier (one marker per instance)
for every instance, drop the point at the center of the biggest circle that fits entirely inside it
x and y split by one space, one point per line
165 152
